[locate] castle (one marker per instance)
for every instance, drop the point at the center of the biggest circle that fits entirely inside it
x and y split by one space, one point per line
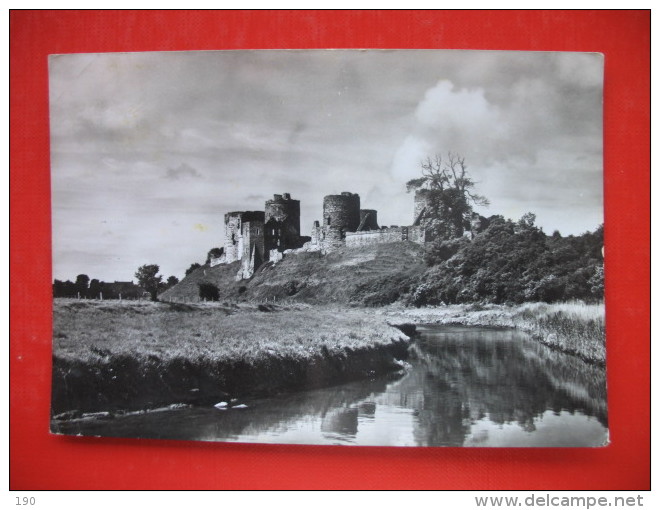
257 237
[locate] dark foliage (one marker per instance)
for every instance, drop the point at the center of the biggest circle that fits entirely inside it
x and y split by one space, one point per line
192 267
64 289
208 291
148 278
82 284
512 263
383 290
98 290
95 289
214 253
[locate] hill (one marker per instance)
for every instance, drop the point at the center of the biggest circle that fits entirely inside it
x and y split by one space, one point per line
366 276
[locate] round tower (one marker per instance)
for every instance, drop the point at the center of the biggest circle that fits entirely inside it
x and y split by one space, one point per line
342 211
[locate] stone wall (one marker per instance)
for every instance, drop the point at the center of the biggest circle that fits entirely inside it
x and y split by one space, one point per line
316 234
419 235
386 235
332 238
234 246
233 238
253 248
253 240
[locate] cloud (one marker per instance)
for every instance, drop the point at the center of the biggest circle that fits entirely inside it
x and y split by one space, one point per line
406 162
460 120
182 171
156 143
449 109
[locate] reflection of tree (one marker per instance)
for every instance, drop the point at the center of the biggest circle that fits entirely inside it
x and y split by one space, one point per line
342 421
473 373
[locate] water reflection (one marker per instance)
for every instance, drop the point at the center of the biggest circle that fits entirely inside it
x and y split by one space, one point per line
465 387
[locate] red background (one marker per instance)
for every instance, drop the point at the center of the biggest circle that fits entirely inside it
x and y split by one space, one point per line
42 461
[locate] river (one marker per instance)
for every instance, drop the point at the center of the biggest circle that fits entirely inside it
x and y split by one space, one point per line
460 387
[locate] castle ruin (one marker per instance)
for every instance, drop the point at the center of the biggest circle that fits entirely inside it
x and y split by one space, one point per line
257 237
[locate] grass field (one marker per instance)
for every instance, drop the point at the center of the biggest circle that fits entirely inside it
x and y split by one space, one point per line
120 354
94 329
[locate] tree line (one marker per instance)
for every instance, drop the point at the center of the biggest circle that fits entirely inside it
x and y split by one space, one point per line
503 261
149 283
513 262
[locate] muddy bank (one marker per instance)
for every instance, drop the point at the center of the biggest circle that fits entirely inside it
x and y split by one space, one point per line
125 383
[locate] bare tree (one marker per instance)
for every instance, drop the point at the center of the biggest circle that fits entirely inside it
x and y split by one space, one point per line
449 193
450 173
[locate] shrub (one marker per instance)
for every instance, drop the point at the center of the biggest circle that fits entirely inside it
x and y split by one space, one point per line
512 263
208 291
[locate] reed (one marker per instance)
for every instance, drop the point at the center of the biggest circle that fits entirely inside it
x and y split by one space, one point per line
573 327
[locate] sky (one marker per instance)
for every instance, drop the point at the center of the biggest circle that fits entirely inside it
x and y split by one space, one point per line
150 150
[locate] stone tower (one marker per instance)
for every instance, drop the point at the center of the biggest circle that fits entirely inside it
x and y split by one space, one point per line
342 211
242 226
282 223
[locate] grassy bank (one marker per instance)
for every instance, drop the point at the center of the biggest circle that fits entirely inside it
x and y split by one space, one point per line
131 355
370 276
112 355
576 328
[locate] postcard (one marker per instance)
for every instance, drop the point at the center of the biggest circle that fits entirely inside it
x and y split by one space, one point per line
329 247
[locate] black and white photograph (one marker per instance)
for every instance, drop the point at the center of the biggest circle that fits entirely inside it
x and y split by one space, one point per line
329 247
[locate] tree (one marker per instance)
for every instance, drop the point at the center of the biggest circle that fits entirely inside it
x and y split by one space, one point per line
214 253
192 267
95 288
449 195
59 289
513 262
82 284
149 279
172 281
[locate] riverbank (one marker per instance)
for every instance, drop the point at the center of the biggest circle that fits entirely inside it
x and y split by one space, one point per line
117 355
120 355
575 328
